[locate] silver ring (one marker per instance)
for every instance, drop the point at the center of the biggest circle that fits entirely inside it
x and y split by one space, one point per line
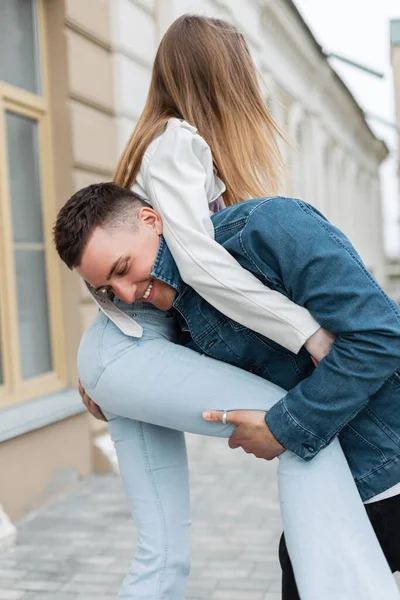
224 415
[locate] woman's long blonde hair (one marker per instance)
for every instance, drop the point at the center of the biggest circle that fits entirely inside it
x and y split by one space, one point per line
203 73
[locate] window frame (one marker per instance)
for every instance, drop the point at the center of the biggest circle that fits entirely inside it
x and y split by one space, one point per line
14 389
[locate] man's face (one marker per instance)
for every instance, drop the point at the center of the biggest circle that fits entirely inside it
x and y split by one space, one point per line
122 259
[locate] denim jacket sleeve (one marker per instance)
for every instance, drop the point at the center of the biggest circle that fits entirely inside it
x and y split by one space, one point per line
319 269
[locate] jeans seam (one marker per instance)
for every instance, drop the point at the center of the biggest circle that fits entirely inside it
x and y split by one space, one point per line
298 424
229 226
378 421
160 511
255 265
368 443
111 361
378 468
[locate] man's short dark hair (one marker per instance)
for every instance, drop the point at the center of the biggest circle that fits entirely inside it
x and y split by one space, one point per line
97 205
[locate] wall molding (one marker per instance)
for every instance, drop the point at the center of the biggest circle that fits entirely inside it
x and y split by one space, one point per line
41 412
87 34
106 110
93 169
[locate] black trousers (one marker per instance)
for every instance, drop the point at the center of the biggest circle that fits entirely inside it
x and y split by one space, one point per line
385 519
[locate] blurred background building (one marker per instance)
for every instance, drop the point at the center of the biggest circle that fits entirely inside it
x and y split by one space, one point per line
73 80
393 264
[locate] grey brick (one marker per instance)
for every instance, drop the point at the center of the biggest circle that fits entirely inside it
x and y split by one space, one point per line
245 584
96 578
37 586
103 561
11 595
80 587
84 542
233 594
227 573
197 594
48 596
202 584
14 574
7 584
96 597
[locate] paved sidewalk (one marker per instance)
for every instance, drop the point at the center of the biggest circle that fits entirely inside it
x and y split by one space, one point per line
79 547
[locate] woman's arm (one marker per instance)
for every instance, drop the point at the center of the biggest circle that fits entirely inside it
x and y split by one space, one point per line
175 180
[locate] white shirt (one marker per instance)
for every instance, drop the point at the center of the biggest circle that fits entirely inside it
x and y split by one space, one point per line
393 491
177 178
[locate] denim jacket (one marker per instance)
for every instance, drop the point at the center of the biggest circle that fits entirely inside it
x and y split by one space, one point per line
355 390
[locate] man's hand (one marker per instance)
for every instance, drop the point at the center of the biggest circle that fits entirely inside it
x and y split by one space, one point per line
251 434
319 344
90 405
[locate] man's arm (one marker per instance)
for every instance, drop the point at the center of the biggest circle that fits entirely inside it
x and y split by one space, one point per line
320 270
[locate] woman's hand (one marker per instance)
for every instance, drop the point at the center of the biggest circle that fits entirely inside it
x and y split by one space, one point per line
319 344
90 405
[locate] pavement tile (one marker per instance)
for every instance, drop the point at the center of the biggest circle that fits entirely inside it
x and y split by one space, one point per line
11 594
247 584
83 587
80 547
36 586
95 597
7 584
96 578
11 574
50 596
233 594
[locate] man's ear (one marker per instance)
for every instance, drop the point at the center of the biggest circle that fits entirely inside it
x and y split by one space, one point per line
151 218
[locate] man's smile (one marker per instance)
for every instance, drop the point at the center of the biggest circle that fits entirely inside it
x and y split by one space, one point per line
149 293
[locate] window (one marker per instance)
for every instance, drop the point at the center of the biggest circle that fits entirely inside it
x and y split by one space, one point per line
31 340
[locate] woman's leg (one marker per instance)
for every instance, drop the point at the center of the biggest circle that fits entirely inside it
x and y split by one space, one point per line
384 516
153 466
334 551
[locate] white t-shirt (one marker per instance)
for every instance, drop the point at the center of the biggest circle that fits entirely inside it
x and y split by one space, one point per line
393 491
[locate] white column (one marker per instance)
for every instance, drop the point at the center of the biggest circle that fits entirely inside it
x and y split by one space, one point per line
318 170
379 252
346 193
336 186
277 111
296 116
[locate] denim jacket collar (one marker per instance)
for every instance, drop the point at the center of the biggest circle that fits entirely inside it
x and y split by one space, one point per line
165 268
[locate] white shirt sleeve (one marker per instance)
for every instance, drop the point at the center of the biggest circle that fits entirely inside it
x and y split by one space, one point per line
176 178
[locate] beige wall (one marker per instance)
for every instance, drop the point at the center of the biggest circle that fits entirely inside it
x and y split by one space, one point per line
84 128
90 103
394 266
84 56
36 466
43 463
396 75
80 73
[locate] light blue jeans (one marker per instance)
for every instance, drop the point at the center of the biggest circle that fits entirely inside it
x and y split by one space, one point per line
152 390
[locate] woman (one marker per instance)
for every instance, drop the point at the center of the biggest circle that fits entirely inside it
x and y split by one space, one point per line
205 123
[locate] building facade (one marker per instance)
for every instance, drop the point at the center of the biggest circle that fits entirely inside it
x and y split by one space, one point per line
395 59
72 87
393 264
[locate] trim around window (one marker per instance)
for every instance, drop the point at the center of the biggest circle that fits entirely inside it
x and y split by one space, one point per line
14 388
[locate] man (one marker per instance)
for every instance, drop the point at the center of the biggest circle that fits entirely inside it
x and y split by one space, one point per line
291 248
